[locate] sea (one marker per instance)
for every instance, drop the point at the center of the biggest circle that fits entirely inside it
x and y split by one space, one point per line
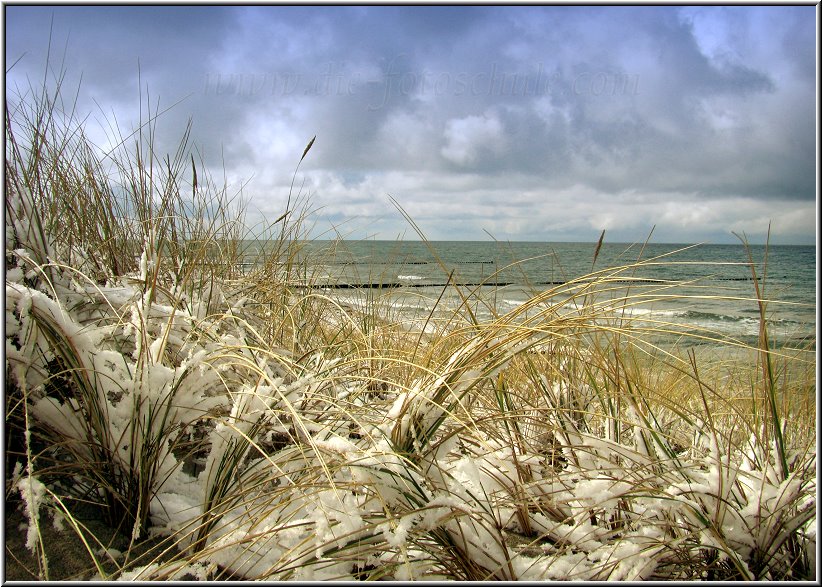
707 289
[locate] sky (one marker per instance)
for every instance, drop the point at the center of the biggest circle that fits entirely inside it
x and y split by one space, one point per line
541 123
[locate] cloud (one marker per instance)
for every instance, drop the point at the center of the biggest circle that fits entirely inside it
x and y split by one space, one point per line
467 139
552 121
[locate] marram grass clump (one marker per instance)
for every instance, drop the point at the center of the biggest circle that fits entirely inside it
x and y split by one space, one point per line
267 431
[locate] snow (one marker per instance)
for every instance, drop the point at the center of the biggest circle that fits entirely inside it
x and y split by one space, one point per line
156 368
33 492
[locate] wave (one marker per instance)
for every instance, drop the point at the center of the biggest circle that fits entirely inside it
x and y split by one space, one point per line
698 316
653 312
410 277
513 303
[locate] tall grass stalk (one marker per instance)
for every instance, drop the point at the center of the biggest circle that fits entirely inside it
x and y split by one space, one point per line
182 370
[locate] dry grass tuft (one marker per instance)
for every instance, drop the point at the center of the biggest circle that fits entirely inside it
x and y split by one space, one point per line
195 388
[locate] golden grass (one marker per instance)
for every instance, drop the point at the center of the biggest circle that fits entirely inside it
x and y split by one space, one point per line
272 432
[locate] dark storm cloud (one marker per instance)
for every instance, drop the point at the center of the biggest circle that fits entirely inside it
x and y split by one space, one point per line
168 49
105 44
641 111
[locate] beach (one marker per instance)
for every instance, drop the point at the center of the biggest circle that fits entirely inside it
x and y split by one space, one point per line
278 407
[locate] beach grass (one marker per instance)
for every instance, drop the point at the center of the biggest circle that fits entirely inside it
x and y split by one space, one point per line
200 392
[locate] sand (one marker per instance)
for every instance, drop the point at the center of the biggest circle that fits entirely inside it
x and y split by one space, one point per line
67 556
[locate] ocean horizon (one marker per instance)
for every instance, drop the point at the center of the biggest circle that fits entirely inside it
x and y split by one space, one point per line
707 286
